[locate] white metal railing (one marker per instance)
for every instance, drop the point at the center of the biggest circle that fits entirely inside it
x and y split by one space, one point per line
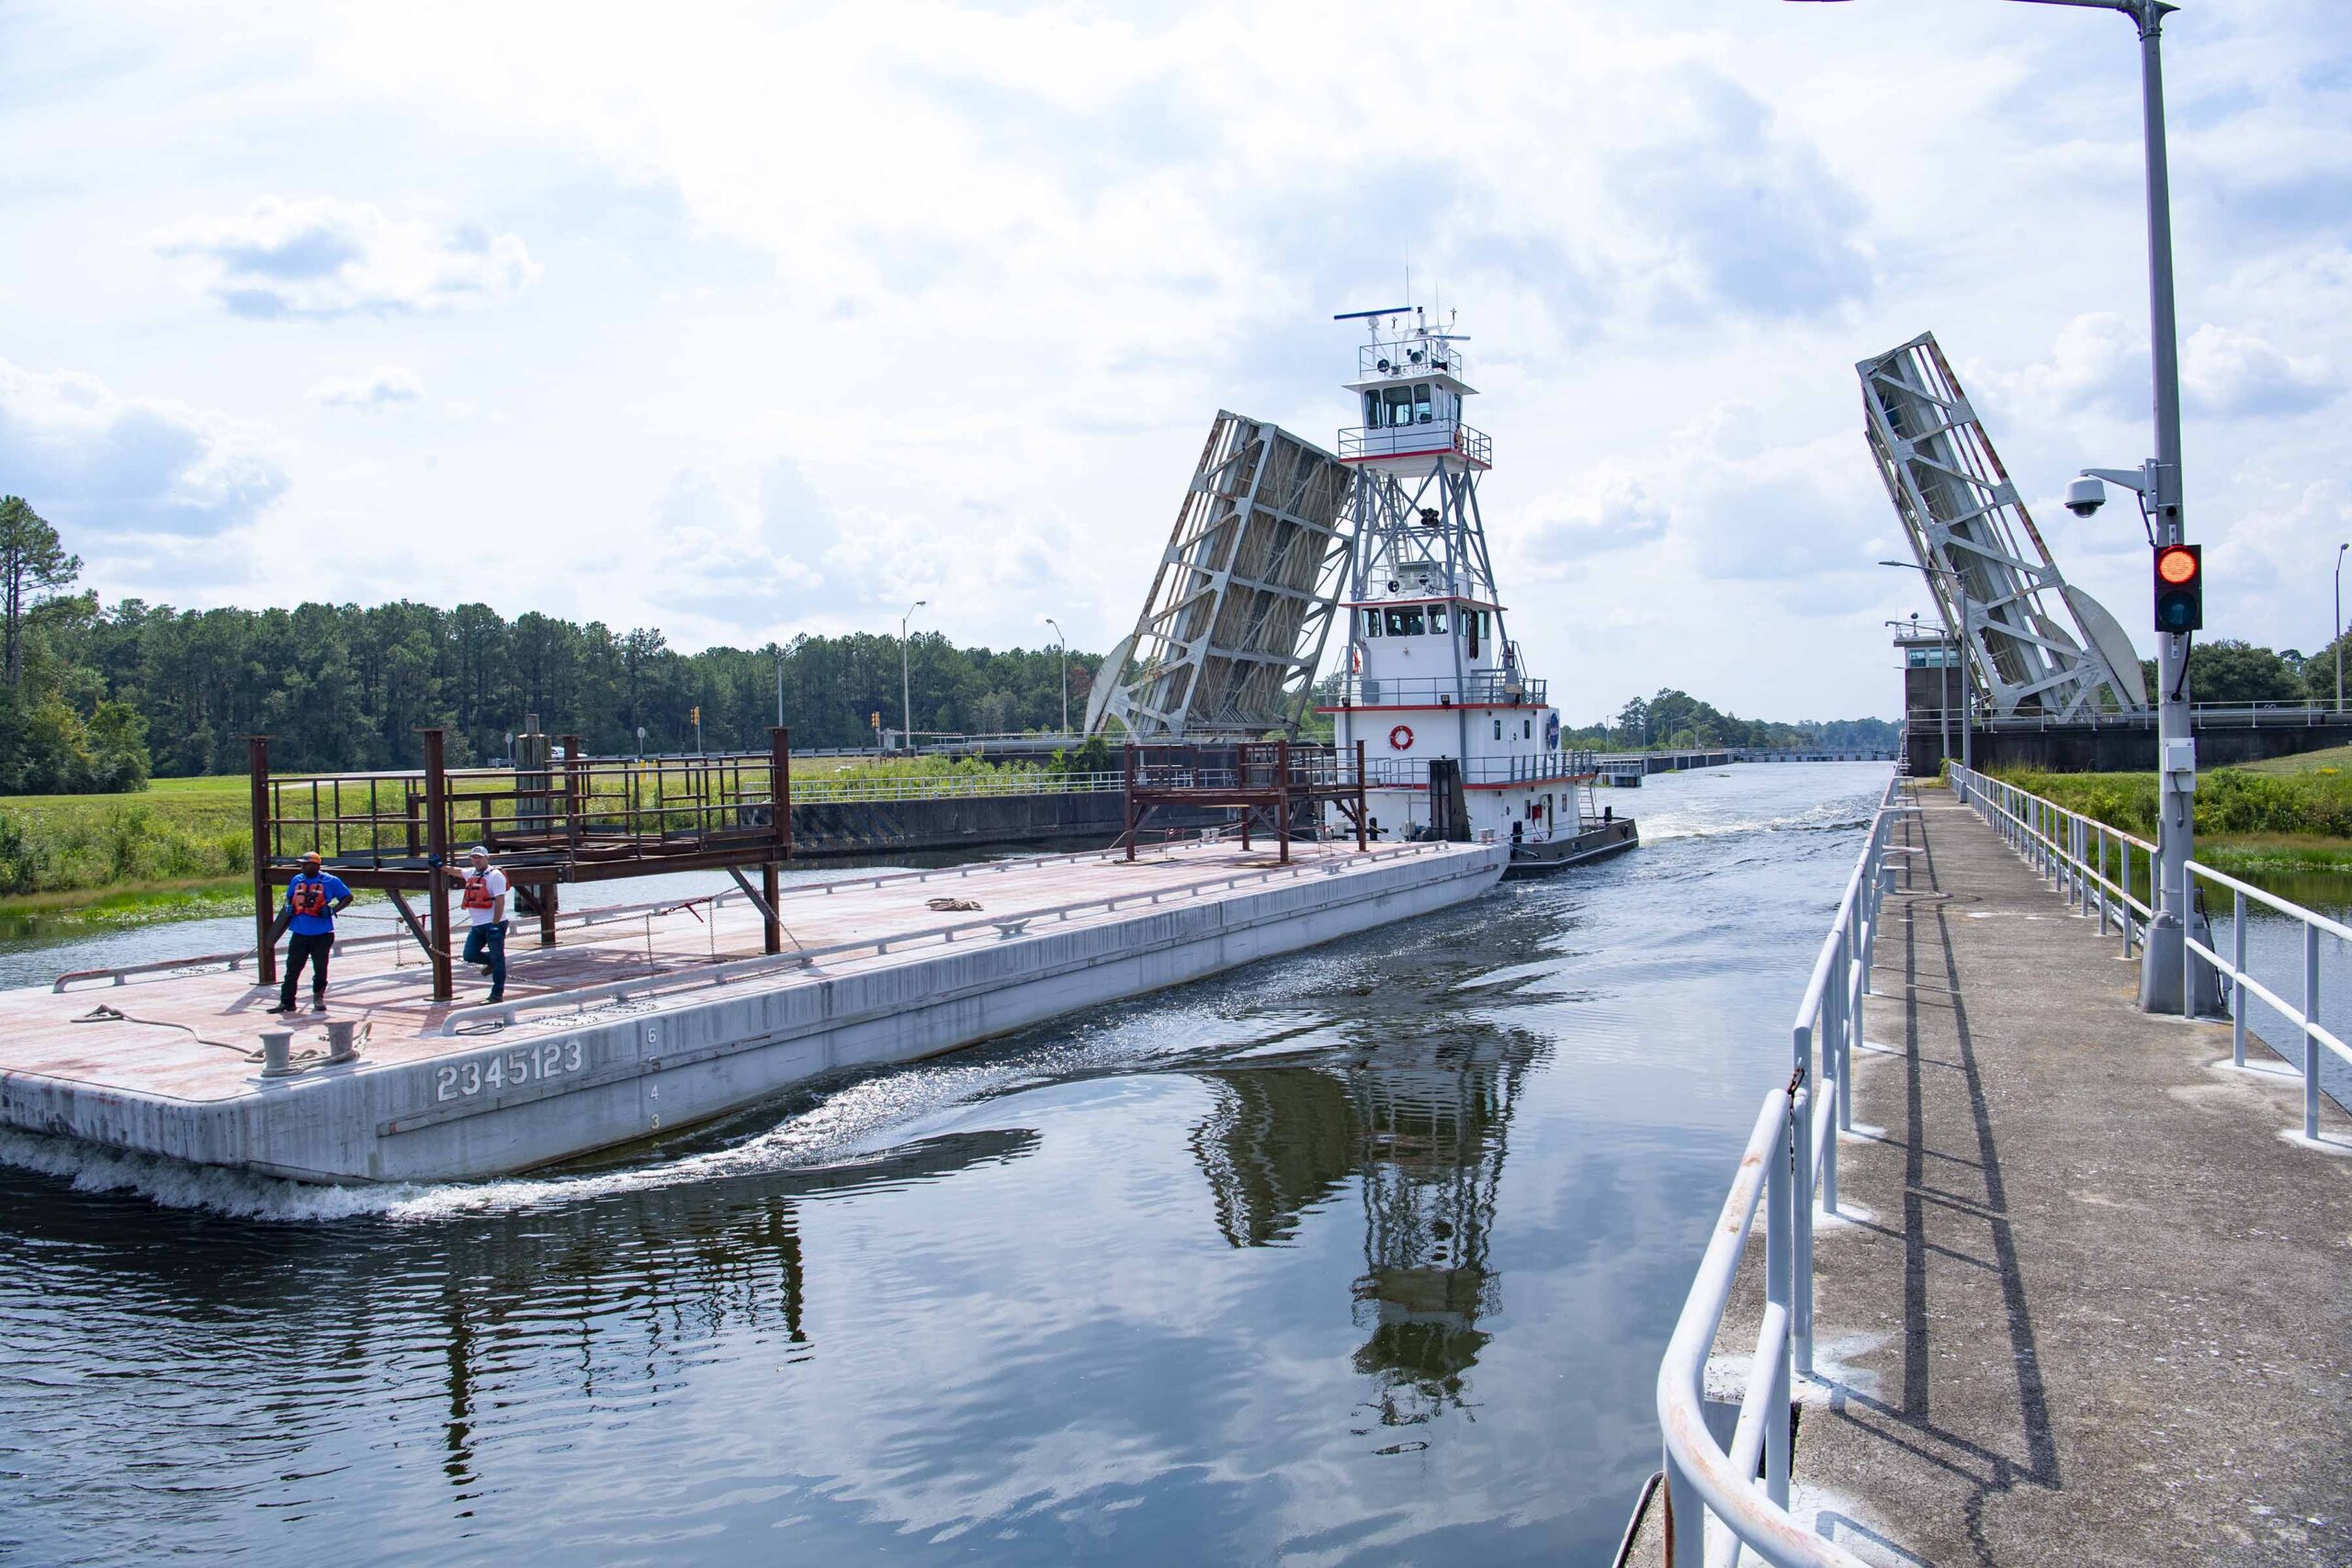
1566 766
1427 438
1403 358
2305 1018
1790 1163
2068 850
2204 716
2074 852
953 786
1476 688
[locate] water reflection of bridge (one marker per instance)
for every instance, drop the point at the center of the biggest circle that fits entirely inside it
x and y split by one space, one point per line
1422 1126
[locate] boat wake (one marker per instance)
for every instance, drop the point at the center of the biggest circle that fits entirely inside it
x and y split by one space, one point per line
838 1128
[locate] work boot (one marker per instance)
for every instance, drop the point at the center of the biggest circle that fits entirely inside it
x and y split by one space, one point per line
283 1007
495 997
317 1004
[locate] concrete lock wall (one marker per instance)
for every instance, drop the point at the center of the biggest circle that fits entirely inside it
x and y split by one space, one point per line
825 828
2080 748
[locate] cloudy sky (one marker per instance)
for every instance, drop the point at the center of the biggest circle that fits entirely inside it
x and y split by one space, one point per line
746 320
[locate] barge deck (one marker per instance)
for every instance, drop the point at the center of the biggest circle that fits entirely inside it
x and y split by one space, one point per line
654 1022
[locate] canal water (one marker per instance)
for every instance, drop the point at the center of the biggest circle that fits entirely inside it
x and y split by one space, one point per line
1365 1253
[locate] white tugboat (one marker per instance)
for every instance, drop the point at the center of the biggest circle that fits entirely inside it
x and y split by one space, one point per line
1460 740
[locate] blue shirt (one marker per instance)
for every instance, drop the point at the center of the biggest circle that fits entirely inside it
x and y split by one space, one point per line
316 925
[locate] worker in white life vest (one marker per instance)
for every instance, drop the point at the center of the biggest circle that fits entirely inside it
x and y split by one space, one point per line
485 906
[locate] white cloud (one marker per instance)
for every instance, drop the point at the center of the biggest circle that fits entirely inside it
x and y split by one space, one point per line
97 463
2235 375
379 388
982 273
321 257
743 562
1612 509
2098 362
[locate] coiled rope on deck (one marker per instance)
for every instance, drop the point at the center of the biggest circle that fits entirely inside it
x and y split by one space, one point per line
104 1014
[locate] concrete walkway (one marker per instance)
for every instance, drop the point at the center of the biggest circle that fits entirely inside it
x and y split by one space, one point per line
2094 1308
2084 1302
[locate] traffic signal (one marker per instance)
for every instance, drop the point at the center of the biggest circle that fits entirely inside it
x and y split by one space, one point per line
693 714
2180 588
878 719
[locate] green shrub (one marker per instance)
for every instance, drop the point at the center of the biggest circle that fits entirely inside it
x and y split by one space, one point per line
2228 800
20 859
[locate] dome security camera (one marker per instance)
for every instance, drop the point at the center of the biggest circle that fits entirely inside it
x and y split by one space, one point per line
2085 496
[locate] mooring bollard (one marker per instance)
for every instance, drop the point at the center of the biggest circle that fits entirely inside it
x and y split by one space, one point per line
344 1036
277 1053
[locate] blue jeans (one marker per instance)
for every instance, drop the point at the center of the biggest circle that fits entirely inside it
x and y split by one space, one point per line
487 945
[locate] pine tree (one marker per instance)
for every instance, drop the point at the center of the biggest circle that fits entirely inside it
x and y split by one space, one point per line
31 560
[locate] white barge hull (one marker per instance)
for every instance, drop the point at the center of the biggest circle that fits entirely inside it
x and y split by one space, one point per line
562 1079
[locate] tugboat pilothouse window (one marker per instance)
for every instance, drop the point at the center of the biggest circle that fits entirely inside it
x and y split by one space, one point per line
1437 620
1406 621
1371 623
1394 406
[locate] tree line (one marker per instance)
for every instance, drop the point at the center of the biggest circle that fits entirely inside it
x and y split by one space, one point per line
1675 720
95 697
97 694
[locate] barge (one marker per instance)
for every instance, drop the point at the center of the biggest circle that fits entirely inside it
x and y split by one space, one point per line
655 1023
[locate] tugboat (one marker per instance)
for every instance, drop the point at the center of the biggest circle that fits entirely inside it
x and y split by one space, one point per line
1460 740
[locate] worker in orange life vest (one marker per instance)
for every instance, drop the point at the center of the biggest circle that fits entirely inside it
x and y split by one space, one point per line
313 900
485 906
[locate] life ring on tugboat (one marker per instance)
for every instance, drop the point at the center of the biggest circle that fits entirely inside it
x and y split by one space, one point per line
1401 738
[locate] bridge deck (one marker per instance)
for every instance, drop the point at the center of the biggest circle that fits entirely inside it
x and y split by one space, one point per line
2095 1309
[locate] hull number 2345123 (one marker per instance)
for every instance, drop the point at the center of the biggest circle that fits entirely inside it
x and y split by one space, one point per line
531 1064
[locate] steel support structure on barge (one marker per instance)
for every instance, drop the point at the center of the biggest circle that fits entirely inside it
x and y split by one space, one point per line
1277 778
596 819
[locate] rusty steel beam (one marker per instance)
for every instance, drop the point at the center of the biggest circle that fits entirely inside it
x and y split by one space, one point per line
436 837
265 898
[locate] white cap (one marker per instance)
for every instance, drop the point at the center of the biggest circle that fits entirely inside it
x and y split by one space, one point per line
478 849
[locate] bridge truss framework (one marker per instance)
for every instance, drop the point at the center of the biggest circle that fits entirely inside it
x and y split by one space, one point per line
2000 594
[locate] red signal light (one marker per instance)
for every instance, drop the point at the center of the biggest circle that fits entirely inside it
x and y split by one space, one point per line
2180 589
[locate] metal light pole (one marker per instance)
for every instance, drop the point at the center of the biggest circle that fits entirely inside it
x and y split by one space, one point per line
2340 625
1061 669
906 696
2165 984
779 685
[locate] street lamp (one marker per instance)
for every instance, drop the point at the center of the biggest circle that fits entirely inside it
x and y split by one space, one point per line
906 697
2165 983
2340 625
1061 670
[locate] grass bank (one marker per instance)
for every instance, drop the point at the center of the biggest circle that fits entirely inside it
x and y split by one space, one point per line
2312 808
2287 830
179 840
